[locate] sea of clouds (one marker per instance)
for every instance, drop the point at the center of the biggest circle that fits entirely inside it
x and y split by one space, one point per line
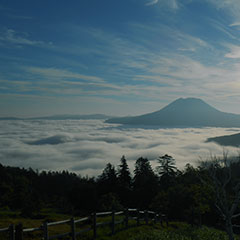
86 146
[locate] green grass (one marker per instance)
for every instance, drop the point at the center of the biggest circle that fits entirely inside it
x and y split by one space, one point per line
176 231
8 217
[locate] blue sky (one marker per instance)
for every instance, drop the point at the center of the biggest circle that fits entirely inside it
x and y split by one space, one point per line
118 57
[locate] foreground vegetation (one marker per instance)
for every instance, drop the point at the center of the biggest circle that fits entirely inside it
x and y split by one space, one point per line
175 231
8 217
206 195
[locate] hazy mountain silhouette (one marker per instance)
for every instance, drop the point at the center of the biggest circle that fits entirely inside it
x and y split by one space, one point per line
227 140
53 140
63 117
74 117
10 118
188 112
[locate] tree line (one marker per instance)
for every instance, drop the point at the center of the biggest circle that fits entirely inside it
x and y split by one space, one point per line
202 194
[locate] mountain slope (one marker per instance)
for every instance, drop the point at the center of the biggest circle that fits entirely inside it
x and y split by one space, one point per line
227 140
189 112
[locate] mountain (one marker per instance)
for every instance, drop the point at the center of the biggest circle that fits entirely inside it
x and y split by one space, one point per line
227 140
10 118
74 117
63 117
188 112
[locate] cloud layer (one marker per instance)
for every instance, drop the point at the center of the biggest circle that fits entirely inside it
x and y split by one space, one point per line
86 147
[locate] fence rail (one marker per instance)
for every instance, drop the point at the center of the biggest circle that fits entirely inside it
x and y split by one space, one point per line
4 229
32 229
17 232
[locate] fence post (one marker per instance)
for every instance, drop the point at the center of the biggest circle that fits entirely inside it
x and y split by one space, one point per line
155 218
11 232
138 217
161 220
45 231
113 222
167 221
126 217
73 229
94 225
19 232
146 216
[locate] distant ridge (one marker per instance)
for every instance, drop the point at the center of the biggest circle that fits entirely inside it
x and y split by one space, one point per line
74 117
63 117
188 112
10 118
227 140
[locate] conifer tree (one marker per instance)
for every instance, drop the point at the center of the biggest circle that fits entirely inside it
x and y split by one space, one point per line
167 165
124 175
125 182
144 183
167 171
107 181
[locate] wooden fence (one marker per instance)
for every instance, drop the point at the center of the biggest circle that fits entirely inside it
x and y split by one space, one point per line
141 217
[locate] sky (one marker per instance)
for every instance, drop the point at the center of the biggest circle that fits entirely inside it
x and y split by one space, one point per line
117 57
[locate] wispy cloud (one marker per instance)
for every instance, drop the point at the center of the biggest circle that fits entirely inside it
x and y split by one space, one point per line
11 36
55 73
232 7
152 2
222 27
234 52
173 71
235 24
174 4
171 4
191 49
